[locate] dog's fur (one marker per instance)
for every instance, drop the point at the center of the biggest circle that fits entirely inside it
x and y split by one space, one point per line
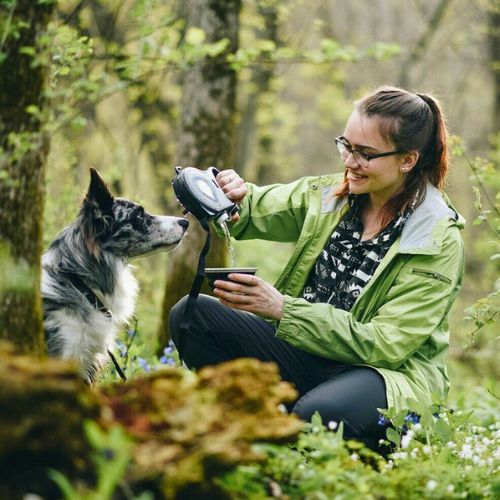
88 288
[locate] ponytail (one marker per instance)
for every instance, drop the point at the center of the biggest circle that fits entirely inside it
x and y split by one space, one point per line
437 149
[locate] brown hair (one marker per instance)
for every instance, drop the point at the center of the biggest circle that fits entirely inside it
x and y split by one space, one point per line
411 122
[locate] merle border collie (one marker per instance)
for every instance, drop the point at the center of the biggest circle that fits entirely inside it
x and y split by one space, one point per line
88 288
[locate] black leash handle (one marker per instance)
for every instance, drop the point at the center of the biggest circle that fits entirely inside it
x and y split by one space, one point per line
187 316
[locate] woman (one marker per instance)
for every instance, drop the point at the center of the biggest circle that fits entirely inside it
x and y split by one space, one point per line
359 316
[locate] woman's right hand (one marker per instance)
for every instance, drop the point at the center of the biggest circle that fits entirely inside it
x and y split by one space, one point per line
233 185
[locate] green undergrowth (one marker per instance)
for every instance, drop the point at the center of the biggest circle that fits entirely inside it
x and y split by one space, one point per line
447 454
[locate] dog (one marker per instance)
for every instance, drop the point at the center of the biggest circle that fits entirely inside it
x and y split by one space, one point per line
88 289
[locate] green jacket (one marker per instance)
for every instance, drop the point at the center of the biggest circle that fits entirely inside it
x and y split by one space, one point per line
399 323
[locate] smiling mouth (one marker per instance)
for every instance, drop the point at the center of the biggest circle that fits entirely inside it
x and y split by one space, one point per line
354 176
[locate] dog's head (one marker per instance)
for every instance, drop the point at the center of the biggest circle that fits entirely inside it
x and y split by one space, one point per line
122 227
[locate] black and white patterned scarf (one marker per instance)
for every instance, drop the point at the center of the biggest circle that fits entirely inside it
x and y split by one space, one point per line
346 264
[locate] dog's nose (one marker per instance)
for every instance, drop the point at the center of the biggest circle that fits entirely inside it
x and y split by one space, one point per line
184 223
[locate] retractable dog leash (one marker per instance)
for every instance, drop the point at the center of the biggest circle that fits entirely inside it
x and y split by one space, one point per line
200 195
192 299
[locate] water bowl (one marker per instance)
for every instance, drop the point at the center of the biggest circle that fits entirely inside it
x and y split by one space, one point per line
221 273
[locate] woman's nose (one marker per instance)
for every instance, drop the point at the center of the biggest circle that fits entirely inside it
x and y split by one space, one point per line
350 162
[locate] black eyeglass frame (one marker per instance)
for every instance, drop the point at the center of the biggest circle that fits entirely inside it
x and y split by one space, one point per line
340 141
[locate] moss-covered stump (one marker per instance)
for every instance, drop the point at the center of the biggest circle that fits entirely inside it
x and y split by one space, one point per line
190 428
43 405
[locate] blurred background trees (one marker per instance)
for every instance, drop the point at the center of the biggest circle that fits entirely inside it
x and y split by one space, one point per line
121 69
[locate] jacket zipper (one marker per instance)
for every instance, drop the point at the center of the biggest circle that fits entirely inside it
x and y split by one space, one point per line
431 274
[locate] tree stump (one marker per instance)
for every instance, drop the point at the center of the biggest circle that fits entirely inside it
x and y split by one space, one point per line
187 428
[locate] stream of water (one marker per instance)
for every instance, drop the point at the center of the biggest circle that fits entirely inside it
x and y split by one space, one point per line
229 244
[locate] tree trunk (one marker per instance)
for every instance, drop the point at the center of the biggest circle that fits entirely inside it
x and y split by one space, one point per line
206 135
494 44
23 152
260 84
418 51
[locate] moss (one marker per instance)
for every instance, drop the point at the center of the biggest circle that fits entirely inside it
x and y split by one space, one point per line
190 428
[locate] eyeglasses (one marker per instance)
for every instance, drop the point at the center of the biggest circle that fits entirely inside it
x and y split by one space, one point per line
361 158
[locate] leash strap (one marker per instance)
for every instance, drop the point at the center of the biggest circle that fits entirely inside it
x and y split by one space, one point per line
195 287
117 366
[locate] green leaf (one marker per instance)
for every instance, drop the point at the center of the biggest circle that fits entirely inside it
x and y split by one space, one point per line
393 436
94 434
443 431
316 420
63 483
195 36
29 51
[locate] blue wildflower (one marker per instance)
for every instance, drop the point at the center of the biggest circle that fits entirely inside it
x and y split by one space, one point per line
412 418
121 347
167 358
382 420
143 364
108 454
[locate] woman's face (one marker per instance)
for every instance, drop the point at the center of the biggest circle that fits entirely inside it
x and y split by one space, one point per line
382 178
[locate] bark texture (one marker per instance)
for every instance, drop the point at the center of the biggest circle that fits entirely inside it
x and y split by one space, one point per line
205 137
23 152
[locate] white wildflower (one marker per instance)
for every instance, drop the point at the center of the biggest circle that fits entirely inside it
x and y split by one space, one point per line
332 425
406 439
451 445
450 488
354 456
431 484
466 452
426 449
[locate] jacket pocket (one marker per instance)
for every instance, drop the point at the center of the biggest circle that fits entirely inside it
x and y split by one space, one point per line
431 274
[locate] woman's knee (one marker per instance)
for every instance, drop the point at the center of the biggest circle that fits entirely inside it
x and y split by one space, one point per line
200 312
353 398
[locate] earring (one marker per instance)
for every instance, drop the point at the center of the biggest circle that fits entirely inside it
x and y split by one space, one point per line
405 169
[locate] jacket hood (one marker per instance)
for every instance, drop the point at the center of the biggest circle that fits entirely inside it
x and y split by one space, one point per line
423 232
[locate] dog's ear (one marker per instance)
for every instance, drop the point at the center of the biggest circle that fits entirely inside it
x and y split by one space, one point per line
98 193
97 212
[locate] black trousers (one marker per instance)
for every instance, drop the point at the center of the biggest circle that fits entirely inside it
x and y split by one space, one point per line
339 392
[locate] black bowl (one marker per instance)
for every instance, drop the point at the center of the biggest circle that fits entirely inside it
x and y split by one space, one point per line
221 273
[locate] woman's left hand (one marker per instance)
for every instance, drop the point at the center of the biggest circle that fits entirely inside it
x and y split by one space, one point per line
252 294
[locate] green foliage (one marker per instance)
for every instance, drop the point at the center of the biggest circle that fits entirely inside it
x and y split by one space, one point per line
485 178
112 454
135 358
445 455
